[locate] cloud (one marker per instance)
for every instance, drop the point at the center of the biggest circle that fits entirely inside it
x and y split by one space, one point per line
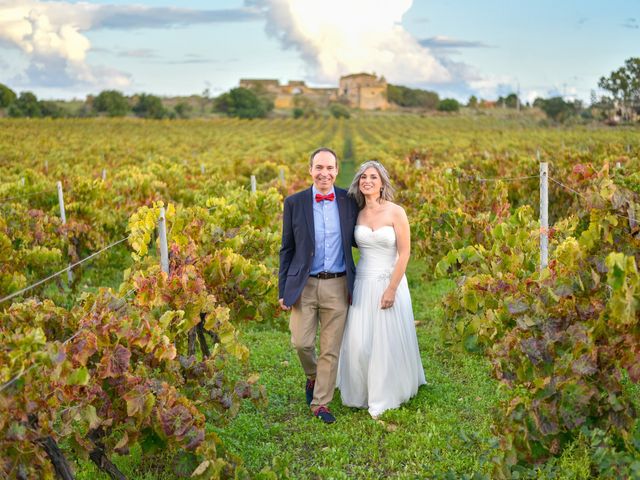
337 37
138 53
191 58
631 23
135 16
51 35
447 42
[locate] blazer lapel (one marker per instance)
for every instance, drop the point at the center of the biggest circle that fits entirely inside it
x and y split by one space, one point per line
308 215
341 197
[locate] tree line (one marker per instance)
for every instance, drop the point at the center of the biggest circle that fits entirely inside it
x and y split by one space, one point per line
622 103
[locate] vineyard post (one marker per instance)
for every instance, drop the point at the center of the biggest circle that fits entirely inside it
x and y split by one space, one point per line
202 168
282 176
22 181
46 166
418 163
104 174
63 217
253 184
544 215
538 155
164 250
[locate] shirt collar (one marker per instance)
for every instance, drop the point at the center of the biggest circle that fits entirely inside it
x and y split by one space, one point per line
314 190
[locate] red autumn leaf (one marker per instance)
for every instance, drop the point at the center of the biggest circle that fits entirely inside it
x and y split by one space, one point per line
83 347
118 362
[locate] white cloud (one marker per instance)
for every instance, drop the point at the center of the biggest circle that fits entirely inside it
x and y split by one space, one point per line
338 37
494 86
51 35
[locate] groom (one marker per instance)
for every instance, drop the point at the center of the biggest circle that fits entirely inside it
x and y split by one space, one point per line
317 274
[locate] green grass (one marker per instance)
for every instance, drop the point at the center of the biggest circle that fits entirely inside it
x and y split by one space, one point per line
443 430
105 270
441 433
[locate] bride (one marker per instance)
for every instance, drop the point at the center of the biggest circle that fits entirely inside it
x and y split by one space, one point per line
380 365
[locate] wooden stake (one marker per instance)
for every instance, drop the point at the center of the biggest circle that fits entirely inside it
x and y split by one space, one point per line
544 215
63 217
164 250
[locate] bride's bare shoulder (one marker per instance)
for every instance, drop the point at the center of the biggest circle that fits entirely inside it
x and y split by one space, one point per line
396 209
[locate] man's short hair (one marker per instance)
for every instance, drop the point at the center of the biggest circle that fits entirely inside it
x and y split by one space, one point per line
322 149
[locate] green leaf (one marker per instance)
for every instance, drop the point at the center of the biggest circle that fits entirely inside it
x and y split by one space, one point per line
91 417
151 442
470 301
79 376
471 343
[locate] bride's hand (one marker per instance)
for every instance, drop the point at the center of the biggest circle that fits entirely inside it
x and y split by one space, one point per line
388 298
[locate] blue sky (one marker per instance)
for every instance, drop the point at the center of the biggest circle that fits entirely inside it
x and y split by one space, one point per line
67 49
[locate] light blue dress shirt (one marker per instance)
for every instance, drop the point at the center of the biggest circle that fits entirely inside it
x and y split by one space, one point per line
329 255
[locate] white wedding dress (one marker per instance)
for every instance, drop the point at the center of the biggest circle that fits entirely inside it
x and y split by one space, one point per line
380 365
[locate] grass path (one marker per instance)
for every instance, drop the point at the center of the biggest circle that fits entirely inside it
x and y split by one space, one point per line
440 433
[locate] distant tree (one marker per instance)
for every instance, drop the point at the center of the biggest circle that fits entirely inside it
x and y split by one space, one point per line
149 106
511 100
448 105
473 102
412 97
183 109
304 107
624 85
7 96
244 103
339 111
204 99
51 109
111 102
26 105
557 108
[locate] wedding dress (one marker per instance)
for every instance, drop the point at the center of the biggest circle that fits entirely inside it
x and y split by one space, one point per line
380 365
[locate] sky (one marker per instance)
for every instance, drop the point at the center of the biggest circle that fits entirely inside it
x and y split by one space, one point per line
458 48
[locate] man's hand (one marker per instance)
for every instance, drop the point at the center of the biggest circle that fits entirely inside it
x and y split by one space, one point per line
282 305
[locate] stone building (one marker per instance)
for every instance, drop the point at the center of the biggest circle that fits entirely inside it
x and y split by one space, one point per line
284 95
364 91
359 90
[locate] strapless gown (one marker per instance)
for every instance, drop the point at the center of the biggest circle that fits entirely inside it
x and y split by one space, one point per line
380 365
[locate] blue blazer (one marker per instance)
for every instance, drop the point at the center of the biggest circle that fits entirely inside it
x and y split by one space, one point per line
298 242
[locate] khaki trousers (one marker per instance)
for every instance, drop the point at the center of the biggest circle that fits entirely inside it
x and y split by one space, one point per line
323 302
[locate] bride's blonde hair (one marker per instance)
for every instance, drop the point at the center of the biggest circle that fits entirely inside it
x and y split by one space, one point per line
387 190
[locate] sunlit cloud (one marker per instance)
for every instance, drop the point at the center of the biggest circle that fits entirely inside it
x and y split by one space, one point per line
335 38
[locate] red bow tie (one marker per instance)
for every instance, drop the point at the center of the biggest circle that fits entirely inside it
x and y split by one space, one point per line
320 197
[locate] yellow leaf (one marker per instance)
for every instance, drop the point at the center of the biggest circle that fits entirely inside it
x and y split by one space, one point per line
201 468
123 442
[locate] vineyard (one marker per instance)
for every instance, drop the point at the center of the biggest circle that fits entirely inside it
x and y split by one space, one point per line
125 356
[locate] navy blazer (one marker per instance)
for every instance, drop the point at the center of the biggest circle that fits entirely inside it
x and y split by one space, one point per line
298 242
